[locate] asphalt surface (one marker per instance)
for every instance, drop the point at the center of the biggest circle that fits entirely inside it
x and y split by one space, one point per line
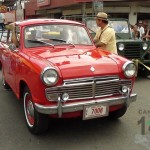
131 132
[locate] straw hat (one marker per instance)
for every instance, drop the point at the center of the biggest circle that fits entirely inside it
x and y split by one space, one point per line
102 16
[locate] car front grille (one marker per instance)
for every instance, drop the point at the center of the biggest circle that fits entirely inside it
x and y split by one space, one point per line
87 88
132 50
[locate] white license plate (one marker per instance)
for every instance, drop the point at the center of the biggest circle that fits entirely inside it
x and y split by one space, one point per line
95 111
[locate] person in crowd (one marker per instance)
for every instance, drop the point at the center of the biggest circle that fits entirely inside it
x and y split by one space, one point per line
147 33
14 39
35 35
32 36
141 29
131 30
2 21
136 33
105 35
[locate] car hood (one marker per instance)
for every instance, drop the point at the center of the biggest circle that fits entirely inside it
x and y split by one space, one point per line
83 62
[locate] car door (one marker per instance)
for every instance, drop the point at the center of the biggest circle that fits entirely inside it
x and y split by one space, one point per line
4 52
10 62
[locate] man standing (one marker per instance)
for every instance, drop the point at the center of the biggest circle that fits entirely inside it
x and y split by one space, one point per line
147 34
105 35
141 29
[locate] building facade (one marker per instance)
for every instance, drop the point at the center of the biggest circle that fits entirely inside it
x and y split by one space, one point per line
133 10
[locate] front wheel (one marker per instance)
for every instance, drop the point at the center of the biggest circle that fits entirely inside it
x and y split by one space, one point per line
36 122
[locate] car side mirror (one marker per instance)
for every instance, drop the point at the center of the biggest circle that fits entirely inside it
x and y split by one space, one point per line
12 47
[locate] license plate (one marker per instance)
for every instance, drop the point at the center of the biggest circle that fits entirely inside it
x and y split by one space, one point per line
95 111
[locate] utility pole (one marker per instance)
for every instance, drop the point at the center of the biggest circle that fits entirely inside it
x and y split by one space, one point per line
97 6
83 9
19 11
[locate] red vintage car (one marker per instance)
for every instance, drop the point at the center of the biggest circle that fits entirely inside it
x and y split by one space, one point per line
55 68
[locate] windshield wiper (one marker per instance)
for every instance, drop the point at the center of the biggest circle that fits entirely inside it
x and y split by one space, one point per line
71 44
40 41
61 40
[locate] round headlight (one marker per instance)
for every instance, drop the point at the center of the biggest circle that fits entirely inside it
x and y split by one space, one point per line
49 76
129 69
145 46
121 47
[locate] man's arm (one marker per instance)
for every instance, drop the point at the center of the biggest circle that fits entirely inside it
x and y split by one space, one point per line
96 38
105 38
100 44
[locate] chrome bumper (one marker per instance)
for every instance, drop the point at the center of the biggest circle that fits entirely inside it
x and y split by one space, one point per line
79 106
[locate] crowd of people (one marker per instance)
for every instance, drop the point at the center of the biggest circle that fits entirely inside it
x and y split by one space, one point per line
140 31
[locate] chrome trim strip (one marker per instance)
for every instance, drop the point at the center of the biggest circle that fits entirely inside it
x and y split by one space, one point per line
79 106
92 78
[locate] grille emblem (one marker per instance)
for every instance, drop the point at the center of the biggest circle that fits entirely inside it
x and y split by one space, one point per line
92 69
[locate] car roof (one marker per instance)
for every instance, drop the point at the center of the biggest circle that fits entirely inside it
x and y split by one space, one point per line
45 21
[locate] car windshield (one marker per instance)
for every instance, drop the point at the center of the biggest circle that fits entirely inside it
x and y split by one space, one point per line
91 24
119 26
51 35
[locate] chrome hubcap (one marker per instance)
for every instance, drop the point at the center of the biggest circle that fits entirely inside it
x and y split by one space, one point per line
29 109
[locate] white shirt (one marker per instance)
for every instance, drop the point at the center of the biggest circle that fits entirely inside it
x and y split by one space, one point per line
141 29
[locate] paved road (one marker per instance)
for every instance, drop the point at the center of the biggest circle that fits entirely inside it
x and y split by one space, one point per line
128 133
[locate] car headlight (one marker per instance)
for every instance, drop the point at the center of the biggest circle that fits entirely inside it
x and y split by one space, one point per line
129 69
145 46
49 76
121 46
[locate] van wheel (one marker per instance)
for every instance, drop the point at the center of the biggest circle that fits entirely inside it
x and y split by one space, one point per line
36 122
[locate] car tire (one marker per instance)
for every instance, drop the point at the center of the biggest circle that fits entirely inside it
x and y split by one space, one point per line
4 83
36 122
144 73
118 113
147 72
